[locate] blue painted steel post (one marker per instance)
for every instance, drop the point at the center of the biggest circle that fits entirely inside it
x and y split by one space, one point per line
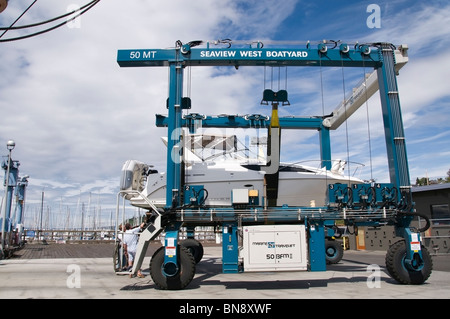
174 148
171 266
11 174
325 147
414 258
317 258
20 195
230 249
393 124
395 137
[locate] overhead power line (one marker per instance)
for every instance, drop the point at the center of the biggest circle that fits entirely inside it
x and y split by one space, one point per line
7 29
76 13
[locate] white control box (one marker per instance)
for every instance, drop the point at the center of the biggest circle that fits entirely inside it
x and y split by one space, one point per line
239 196
274 248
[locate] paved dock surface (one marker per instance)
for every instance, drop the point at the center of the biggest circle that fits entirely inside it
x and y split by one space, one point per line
85 250
53 250
83 271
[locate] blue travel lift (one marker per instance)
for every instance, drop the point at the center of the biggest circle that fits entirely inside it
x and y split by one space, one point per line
173 265
12 225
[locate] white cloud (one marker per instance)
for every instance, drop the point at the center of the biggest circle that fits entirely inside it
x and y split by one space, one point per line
76 116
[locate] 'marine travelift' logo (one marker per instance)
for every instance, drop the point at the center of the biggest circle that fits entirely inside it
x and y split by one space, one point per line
272 244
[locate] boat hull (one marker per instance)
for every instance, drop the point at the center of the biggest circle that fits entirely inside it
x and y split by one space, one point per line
307 188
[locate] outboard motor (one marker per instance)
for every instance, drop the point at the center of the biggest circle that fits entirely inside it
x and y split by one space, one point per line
134 176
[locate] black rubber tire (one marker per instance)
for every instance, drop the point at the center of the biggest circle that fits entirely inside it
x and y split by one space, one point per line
397 270
333 251
195 247
182 278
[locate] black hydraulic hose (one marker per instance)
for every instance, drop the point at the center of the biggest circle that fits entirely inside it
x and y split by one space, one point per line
373 200
197 196
337 231
406 206
427 220
204 197
349 202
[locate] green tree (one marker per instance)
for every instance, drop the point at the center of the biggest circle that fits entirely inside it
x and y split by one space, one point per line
425 181
421 181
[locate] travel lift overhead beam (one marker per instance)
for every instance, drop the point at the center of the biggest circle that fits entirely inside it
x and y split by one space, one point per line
408 262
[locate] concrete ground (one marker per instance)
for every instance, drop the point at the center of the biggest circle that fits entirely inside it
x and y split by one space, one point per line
360 275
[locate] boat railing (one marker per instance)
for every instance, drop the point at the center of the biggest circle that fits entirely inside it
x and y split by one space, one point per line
260 214
118 235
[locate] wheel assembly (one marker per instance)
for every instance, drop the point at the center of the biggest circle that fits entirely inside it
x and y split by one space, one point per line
195 248
333 251
415 272
171 276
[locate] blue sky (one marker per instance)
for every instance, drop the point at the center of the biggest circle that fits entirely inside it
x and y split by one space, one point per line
76 116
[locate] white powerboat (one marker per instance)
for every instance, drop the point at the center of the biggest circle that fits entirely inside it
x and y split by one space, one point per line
218 165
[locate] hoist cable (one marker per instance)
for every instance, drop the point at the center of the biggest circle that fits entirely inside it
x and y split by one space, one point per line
368 122
346 120
189 84
279 78
323 113
271 78
264 80
321 87
80 12
286 79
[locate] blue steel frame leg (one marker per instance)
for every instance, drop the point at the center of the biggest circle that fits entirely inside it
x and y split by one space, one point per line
10 181
170 266
230 248
397 157
393 123
173 176
317 258
325 147
190 232
414 258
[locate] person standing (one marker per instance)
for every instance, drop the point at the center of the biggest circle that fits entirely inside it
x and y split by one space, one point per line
130 241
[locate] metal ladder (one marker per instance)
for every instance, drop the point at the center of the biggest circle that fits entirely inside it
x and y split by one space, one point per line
150 232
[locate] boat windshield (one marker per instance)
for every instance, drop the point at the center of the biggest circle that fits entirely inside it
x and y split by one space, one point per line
219 147
199 148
